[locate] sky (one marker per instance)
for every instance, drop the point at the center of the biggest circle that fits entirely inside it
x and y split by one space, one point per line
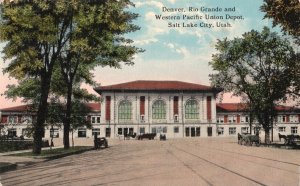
172 53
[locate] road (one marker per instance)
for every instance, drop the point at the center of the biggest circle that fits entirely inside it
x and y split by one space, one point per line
208 161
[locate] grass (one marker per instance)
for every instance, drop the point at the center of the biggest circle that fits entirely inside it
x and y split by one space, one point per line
56 152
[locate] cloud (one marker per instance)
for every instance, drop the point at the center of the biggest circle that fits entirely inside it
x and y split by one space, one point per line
145 41
149 3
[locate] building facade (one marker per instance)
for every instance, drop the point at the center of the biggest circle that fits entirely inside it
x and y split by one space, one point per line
176 109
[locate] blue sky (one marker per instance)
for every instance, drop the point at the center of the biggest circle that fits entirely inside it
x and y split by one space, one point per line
179 54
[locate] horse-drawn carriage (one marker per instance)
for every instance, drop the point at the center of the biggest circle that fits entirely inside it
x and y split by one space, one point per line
248 139
289 139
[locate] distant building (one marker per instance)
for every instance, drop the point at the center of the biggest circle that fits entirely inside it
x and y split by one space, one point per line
176 109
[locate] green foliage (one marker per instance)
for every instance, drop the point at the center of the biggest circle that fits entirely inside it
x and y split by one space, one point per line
285 13
75 36
259 66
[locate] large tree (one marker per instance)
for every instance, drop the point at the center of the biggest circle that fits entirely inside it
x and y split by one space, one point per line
39 34
258 65
285 13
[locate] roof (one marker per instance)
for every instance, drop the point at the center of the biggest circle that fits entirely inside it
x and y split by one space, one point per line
242 107
231 107
93 107
156 86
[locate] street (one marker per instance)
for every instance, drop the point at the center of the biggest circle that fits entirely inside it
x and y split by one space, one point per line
198 161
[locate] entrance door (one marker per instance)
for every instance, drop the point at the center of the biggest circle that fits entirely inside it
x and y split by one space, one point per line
209 131
193 132
125 131
131 131
187 131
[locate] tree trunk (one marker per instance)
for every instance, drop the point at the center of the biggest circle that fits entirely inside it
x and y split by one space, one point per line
41 114
267 136
72 138
68 117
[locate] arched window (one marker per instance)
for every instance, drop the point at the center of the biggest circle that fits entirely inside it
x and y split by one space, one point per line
191 109
125 110
159 110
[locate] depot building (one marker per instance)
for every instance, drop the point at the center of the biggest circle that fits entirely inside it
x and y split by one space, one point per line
176 109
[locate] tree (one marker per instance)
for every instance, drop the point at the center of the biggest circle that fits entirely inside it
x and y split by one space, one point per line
91 44
40 34
259 66
285 13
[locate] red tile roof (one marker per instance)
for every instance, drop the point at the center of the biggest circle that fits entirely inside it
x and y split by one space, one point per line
20 108
94 107
156 86
242 107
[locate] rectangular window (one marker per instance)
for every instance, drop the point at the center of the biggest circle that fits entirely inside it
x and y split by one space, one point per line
294 130
220 131
54 133
232 130
12 132
12 119
231 119
142 130
220 119
281 129
153 129
197 131
82 133
256 130
96 131
165 129
95 119
245 130
176 129
293 118
120 131
107 132
187 131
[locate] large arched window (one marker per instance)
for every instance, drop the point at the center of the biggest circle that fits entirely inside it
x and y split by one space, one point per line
125 110
191 109
159 110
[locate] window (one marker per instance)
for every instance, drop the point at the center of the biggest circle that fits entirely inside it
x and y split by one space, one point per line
95 119
120 131
54 133
232 130
142 118
192 109
142 130
245 130
256 130
12 119
12 132
294 130
153 129
281 129
220 119
220 131
125 110
176 118
176 129
165 129
96 131
231 119
197 131
187 131
81 133
27 119
107 132
159 110
294 118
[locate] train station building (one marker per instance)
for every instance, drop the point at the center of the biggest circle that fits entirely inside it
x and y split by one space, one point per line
173 108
